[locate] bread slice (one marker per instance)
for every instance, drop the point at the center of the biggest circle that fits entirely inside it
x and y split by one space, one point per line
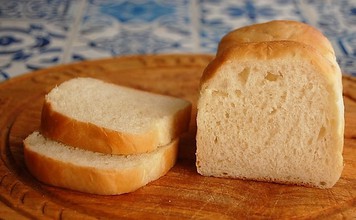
272 111
60 165
102 117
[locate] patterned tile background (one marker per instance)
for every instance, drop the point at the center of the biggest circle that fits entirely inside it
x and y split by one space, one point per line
40 33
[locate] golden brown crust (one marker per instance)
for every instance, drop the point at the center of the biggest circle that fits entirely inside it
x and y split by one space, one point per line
96 180
91 137
276 31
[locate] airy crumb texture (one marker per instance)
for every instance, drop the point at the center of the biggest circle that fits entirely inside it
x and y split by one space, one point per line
112 106
61 165
271 111
94 115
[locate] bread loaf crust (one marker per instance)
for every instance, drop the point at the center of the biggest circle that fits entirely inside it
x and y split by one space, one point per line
97 180
279 30
266 43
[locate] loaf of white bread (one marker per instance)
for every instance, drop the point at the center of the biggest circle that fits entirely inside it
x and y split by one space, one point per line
105 139
271 108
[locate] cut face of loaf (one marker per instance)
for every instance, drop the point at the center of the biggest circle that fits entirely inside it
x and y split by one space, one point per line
73 168
102 117
271 111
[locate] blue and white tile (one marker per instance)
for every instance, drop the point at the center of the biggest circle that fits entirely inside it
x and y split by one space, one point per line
40 33
33 34
111 28
337 20
220 17
22 44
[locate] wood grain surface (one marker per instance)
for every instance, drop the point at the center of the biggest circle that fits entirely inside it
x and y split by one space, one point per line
182 193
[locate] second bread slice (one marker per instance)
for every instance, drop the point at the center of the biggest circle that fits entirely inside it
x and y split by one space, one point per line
102 117
72 168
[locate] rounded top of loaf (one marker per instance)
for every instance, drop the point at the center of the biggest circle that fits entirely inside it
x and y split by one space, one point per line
279 30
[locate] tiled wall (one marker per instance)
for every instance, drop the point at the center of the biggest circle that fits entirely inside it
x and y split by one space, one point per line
40 33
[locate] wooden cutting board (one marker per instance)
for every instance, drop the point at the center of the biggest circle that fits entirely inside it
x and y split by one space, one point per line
182 193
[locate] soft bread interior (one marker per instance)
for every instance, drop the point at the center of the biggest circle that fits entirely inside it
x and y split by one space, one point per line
114 107
270 119
61 152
